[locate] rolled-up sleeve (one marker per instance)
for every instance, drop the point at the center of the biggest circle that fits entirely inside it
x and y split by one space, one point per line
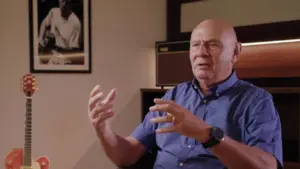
263 128
145 132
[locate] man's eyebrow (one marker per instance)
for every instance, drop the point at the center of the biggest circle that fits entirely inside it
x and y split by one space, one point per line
209 40
213 40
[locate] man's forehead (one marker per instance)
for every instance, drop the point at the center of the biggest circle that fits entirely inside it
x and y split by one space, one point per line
214 29
205 34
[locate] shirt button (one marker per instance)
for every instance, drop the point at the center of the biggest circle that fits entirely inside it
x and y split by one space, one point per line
181 164
189 146
204 101
217 94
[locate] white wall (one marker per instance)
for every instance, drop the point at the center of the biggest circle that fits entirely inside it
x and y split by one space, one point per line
122 31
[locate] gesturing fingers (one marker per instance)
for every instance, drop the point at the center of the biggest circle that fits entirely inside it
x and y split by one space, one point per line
95 90
110 97
100 119
162 101
100 109
95 99
171 128
163 119
170 108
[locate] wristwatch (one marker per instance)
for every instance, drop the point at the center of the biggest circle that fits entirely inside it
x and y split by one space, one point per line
216 136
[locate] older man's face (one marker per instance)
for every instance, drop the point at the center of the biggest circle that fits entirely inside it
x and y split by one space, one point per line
209 54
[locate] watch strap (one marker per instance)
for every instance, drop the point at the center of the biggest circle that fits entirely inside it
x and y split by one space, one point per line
216 134
210 143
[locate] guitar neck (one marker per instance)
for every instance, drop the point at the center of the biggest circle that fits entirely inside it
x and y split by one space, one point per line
28 133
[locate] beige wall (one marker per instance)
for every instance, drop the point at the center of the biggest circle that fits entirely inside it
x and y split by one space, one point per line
122 31
238 12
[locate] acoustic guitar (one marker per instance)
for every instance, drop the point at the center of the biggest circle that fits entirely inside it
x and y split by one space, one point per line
21 158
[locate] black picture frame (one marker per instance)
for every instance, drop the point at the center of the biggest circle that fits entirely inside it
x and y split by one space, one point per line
250 33
60 44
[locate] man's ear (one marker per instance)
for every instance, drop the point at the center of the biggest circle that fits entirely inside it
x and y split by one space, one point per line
237 51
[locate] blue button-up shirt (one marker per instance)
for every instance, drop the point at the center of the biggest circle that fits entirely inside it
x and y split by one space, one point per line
245 112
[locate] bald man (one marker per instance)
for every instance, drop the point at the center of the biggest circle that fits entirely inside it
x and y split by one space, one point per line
214 121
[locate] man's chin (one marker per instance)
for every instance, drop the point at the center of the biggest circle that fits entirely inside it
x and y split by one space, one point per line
202 75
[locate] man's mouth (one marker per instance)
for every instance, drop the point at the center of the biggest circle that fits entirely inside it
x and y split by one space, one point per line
203 65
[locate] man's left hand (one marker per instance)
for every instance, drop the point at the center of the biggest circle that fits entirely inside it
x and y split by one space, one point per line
184 121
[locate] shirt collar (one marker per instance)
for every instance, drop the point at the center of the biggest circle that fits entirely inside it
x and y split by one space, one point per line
217 89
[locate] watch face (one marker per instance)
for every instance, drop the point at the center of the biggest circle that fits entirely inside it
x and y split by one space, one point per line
218 133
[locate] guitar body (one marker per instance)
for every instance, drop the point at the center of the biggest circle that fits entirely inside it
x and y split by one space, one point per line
14 160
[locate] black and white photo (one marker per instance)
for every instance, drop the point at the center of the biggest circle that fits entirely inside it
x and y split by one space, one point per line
60 36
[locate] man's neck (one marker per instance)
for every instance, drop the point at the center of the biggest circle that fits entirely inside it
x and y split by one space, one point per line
206 84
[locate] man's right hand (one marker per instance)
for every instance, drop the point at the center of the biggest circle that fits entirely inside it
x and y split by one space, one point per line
100 108
115 146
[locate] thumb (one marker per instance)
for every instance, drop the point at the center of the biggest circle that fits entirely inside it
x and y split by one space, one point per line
111 96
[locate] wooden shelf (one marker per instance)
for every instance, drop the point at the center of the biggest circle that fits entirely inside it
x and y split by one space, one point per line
291 165
283 89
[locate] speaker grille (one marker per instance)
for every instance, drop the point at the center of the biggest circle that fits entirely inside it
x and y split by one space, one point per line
172 63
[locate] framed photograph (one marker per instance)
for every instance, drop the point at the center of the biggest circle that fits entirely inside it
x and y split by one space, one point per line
252 22
60 36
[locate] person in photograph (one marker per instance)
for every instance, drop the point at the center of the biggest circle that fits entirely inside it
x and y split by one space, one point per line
60 29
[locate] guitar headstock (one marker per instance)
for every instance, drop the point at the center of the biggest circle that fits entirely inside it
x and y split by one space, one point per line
28 84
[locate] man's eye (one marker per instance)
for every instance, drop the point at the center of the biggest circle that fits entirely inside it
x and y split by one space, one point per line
213 44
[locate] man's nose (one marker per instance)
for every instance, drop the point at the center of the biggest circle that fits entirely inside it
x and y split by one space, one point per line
202 51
